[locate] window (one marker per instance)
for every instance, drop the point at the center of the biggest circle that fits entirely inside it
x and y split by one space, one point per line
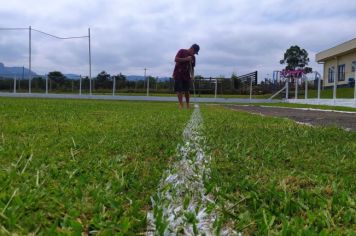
331 75
353 66
341 72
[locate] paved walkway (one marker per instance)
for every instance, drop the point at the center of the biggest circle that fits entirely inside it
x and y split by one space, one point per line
132 98
330 102
346 120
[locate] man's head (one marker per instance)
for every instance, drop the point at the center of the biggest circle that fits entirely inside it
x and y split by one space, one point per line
195 48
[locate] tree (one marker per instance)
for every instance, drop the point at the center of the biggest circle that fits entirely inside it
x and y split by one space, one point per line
57 77
103 76
103 80
236 82
198 77
120 80
296 58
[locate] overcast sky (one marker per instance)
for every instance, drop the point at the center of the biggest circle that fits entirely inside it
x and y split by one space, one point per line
128 35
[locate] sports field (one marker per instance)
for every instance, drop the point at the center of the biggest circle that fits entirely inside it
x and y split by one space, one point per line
72 167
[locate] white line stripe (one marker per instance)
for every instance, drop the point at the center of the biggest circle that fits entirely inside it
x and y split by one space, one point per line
181 204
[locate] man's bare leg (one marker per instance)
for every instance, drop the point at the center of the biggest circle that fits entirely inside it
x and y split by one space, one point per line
180 100
187 99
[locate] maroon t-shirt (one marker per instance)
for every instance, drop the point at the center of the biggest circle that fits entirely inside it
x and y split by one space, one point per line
182 69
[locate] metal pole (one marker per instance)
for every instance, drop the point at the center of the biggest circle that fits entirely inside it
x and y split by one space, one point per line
46 84
148 84
90 89
80 84
29 58
306 87
319 84
355 87
296 89
334 90
15 84
216 87
113 85
50 83
287 87
250 89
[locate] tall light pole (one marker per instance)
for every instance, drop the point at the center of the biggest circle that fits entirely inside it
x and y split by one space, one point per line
90 89
29 59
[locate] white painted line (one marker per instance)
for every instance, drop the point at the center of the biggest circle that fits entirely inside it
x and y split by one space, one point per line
181 203
304 123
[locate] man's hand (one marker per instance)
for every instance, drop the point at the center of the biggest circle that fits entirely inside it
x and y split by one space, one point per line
184 59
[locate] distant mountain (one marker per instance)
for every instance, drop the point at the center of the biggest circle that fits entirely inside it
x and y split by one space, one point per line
135 77
23 71
72 76
140 77
15 71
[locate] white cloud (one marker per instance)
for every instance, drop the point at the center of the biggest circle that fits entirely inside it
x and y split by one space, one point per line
128 35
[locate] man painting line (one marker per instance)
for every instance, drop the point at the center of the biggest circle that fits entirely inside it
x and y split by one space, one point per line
185 63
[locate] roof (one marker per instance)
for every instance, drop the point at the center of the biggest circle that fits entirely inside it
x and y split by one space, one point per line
339 50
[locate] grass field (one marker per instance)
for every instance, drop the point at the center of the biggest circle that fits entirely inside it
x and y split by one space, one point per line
282 178
70 166
81 166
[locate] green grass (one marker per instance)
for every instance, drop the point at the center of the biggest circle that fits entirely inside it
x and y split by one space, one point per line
327 93
280 177
72 166
69 167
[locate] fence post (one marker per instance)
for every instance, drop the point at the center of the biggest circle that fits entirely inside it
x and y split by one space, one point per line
287 87
15 84
46 84
296 89
334 90
90 89
306 87
113 85
216 87
148 83
80 84
250 88
319 84
355 87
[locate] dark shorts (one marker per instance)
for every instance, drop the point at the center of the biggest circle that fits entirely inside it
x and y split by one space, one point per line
181 85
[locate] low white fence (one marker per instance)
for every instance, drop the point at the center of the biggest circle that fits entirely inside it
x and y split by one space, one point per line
330 102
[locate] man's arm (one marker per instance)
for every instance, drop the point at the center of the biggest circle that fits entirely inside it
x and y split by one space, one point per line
184 59
179 57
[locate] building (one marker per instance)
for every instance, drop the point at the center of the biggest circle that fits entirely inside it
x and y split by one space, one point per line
339 64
